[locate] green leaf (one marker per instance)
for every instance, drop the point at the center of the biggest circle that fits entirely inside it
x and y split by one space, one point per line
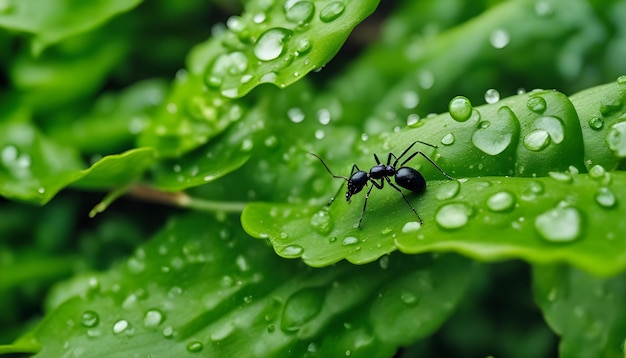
117 170
54 20
585 310
191 290
488 215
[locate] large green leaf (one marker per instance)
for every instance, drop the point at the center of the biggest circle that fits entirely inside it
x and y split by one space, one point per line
52 21
191 290
586 311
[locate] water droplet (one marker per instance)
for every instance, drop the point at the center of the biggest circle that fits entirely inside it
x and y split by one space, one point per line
621 80
194 346
300 13
531 190
543 9
270 44
537 140
460 108
447 139
321 222
168 332
495 137
597 172
332 11
364 137
295 114
564 177
120 326
153 318
350 240
501 201
492 96
384 262
610 104
553 126
323 116
448 190
410 99
605 197
561 224
411 227
89 319
596 123
300 308
246 145
616 139
409 298
499 38
536 104
292 251
453 216
412 120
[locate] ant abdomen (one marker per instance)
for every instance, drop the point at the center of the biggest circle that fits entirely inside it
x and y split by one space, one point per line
411 179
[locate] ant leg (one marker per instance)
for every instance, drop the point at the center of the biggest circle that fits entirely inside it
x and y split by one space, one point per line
334 196
377 160
367 195
429 159
405 199
407 150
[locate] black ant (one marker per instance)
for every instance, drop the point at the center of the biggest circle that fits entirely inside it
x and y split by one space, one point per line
406 177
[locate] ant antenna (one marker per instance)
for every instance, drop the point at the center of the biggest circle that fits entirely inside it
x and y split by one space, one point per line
327 168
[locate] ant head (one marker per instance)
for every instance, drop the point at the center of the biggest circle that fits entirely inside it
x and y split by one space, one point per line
356 183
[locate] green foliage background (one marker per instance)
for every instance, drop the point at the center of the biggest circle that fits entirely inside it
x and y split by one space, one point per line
159 198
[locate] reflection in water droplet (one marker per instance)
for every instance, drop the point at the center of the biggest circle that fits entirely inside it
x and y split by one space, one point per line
292 251
322 222
616 139
499 38
562 224
411 227
536 104
453 215
89 319
492 96
447 139
501 201
448 190
300 308
537 140
270 44
332 11
460 108
605 198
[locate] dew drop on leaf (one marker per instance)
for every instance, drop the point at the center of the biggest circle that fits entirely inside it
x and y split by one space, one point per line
616 139
295 114
553 126
536 104
409 298
120 326
412 120
531 190
448 190
499 38
300 308
194 346
89 319
321 222
411 227
349 240
561 176
292 251
562 224
302 46
453 216
448 139
492 96
537 140
621 80
605 198
596 123
152 318
597 172
410 99
501 201
495 138
271 44
460 108
332 11
609 104
168 332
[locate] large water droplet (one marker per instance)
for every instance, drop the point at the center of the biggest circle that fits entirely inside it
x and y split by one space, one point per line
537 140
321 222
453 216
501 201
349 240
332 11
562 224
120 326
292 251
89 319
553 126
295 114
596 123
270 44
460 108
448 190
492 96
499 38
411 227
605 198
153 318
300 13
495 137
616 139
300 308
536 104
448 139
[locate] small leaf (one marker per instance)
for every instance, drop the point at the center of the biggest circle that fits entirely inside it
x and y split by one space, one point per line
586 311
116 170
191 290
